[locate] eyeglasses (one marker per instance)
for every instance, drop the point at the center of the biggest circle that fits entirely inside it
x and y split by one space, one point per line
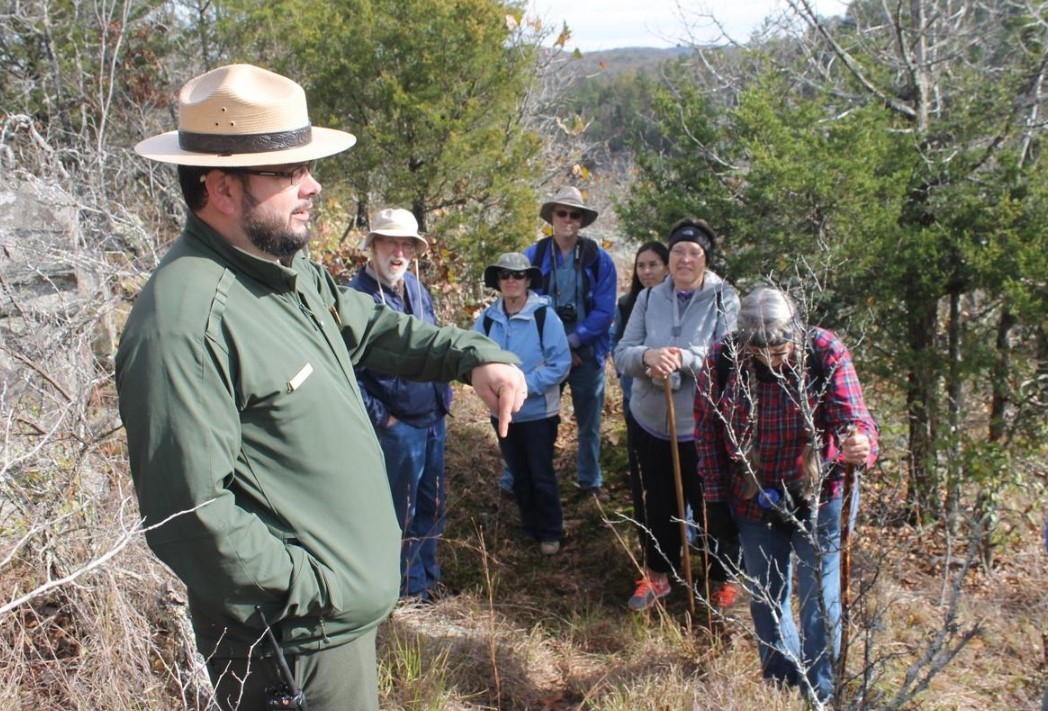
296 175
407 245
507 274
562 214
681 252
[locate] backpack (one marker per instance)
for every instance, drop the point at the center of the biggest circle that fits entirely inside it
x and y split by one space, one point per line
540 324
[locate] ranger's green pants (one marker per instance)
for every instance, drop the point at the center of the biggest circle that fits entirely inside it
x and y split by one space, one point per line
342 678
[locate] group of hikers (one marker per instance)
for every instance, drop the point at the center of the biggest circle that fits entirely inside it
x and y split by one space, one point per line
286 433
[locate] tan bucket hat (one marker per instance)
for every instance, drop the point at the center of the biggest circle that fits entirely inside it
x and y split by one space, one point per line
241 116
514 262
395 222
568 196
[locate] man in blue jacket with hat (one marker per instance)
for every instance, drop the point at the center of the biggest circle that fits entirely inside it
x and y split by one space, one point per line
408 415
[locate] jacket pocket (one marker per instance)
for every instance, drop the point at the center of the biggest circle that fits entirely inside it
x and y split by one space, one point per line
314 589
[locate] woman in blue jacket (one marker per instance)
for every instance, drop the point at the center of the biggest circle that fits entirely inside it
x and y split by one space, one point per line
523 322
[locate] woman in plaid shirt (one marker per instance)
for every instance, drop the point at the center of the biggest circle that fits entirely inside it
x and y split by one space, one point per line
774 462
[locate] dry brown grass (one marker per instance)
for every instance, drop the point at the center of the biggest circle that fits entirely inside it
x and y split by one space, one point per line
529 632
526 631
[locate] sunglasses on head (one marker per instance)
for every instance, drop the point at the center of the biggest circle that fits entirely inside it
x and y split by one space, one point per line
568 213
507 274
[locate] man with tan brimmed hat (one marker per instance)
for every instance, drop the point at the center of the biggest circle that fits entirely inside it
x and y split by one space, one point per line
409 416
580 278
254 460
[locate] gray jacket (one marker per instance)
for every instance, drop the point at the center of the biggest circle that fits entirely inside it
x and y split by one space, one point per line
711 314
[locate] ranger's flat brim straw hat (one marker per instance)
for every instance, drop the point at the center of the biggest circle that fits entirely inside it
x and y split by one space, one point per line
241 116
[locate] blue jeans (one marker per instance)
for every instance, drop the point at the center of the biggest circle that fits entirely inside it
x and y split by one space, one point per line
528 451
587 398
768 555
415 468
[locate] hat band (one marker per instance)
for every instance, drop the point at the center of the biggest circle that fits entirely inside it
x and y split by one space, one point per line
225 144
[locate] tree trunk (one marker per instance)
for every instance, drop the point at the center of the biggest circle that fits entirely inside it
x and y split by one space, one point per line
954 408
986 506
920 407
999 381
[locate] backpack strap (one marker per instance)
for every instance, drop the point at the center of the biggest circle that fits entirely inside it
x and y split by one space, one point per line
541 250
725 362
540 324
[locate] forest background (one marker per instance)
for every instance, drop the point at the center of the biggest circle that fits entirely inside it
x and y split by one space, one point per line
885 165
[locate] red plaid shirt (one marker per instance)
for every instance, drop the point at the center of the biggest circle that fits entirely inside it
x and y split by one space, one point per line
727 425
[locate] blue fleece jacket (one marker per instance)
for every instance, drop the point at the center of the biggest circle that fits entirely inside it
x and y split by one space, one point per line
545 364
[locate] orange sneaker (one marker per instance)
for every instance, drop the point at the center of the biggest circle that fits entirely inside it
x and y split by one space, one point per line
726 595
648 593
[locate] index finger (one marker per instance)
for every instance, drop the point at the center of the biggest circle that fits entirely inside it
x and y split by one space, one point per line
508 404
505 415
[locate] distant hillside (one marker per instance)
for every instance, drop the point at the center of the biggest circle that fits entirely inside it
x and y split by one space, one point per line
610 63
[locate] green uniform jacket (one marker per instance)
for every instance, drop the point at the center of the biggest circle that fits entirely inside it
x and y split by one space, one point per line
252 454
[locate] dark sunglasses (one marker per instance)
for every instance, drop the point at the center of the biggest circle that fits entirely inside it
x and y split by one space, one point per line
507 274
568 213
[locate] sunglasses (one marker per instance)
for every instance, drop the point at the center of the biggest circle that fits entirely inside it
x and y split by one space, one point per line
507 274
568 213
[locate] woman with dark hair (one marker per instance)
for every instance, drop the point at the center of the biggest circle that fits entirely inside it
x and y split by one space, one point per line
651 266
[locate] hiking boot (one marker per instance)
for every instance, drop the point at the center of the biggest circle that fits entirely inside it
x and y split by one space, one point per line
549 547
725 596
648 593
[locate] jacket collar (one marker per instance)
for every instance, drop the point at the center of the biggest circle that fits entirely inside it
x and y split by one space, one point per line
269 272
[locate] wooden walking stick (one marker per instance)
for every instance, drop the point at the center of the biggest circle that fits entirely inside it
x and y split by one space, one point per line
846 516
678 485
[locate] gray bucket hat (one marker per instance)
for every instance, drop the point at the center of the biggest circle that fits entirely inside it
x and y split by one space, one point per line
568 196
514 262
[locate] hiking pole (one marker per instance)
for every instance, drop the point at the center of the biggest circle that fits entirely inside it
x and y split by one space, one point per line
686 557
850 490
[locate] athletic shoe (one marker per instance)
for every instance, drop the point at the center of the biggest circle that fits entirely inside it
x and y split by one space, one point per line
648 593
726 595
549 547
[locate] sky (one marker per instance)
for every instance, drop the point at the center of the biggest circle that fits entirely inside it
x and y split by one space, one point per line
610 24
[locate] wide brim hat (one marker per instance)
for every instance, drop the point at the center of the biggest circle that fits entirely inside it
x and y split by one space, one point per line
514 262
241 115
568 196
395 222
